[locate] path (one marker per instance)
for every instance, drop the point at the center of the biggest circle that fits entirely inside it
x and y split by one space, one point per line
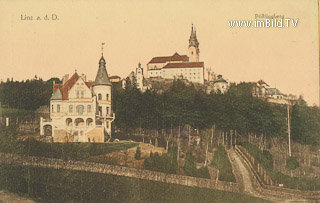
13 198
247 180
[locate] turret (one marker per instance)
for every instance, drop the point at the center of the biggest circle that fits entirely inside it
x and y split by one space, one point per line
193 46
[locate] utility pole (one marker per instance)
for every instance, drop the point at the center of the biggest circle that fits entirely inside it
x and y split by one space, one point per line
209 70
289 133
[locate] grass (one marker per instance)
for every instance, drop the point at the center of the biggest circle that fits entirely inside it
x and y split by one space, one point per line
266 161
221 162
52 185
71 151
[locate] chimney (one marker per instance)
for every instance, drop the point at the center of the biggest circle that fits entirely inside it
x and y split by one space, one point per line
83 76
65 78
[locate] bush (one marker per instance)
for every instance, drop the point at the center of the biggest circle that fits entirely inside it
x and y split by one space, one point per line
190 168
138 154
292 163
221 162
166 163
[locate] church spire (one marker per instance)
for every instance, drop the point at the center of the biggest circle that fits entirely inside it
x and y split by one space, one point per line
193 41
193 46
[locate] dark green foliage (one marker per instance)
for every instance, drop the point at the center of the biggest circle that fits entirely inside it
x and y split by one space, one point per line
305 124
166 163
29 94
190 168
182 104
221 162
138 154
266 160
9 140
292 163
74 186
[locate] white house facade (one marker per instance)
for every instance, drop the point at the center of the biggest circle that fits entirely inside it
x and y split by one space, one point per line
81 111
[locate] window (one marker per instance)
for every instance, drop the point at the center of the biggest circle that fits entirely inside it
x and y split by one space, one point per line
80 109
107 97
70 108
82 94
58 107
89 108
52 108
100 110
78 94
99 97
107 110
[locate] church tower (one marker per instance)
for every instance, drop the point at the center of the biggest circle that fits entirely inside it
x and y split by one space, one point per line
139 74
102 88
193 46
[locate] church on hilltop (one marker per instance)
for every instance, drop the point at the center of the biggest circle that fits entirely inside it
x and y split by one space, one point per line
179 66
80 110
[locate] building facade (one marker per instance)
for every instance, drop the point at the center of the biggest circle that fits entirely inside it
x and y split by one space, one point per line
81 111
179 66
262 90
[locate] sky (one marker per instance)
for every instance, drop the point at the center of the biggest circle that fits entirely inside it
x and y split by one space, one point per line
136 31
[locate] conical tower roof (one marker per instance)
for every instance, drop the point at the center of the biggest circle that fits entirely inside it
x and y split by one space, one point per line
102 75
193 41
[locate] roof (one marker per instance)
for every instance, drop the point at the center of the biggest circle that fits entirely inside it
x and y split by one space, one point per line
220 80
185 65
114 77
261 82
102 75
64 88
174 57
273 91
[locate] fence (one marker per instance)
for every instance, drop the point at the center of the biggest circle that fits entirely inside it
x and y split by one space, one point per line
266 185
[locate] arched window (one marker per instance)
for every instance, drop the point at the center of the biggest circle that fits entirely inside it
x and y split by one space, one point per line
70 108
80 109
107 110
107 97
89 108
99 97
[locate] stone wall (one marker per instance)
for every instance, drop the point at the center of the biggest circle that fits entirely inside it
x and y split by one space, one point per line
117 170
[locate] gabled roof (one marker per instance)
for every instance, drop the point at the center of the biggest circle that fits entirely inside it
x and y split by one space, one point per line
174 57
185 65
56 94
64 88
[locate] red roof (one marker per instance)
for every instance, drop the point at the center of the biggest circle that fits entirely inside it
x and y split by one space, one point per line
185 65
174 57
64 88
114 77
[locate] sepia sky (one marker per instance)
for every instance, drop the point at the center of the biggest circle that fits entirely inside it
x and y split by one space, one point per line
286 58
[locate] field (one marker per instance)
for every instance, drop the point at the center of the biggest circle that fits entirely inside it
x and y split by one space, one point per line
52 185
